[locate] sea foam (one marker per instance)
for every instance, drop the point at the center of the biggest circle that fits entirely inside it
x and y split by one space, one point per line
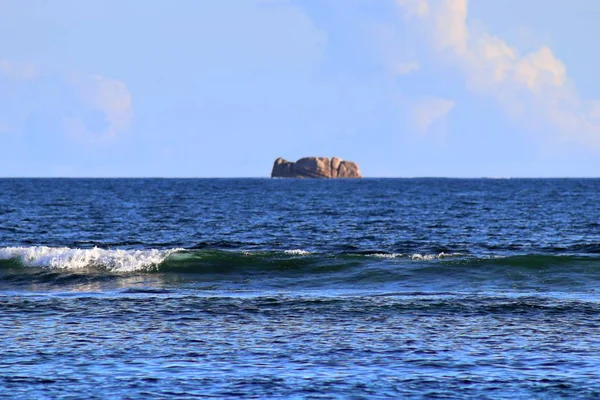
297 252
429 257
417 256
73 259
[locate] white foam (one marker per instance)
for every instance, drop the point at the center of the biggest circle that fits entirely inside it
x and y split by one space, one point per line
422 257
297 252
429 257
417 256
387 255
73 259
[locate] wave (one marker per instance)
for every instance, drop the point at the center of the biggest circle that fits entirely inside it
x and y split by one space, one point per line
293 260
65 258
93 269
78 259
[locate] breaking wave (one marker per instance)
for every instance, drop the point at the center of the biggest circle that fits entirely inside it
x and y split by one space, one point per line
118 260
294 260
77 259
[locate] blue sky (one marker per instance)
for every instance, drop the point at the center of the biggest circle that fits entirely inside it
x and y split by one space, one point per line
222 88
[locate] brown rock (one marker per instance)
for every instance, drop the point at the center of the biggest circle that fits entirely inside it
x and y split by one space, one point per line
315 167
335 166
348 169
283 169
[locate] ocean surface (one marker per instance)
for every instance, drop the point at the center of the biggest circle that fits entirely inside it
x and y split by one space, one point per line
260 288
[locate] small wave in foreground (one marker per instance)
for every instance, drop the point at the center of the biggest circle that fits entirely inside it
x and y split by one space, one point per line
151 260
197 261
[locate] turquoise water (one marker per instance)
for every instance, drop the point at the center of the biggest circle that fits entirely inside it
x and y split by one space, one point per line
258 288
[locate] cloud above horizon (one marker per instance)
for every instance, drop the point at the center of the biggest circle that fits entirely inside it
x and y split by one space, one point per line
406 67
428 111
532 88
17 70
106 95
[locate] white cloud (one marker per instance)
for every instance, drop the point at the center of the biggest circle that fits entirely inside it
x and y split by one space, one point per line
107 95
17 70
532 87
429 110
417 8
403 68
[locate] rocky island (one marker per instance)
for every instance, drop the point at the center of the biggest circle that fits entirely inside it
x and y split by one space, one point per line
315 167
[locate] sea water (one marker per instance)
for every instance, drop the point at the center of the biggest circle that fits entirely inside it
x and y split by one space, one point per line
259 288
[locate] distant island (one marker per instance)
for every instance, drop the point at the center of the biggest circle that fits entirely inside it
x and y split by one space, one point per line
315 167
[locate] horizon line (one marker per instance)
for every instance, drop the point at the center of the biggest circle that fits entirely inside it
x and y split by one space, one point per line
324 179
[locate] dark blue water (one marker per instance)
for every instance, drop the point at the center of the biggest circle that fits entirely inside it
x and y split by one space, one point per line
258 288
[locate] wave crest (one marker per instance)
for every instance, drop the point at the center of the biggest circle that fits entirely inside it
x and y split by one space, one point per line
285 262
73 259
297 252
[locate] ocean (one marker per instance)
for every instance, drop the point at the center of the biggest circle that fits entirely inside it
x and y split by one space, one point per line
285 288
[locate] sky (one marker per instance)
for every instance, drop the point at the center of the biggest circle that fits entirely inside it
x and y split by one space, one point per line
194 88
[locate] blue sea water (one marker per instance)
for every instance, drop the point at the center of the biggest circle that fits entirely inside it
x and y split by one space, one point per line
285 288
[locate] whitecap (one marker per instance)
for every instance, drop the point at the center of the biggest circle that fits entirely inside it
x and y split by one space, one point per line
73 259
429 257
297 252
421 257
387 255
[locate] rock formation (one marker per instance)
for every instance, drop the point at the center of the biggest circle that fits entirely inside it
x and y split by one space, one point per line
315 167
